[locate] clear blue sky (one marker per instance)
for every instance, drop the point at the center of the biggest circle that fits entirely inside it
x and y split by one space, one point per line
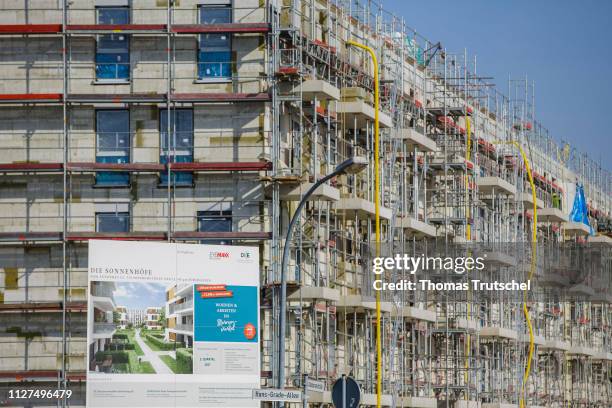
564 46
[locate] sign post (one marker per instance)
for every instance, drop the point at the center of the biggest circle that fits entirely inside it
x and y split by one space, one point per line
346 393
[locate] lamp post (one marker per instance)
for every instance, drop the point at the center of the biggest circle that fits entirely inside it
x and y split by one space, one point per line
350 166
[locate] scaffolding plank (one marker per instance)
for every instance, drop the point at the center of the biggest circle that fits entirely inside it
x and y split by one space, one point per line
31 306
29 374
30 236
221 166
10 29
237 235
120 236
117 98
116 28
221 28
30 167
124 167
31 98
221 97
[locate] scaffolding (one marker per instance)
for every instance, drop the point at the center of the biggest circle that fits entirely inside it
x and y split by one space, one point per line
296 103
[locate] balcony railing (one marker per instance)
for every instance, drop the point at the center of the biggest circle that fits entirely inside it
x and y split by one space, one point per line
184 326
102 289
104 327
177 307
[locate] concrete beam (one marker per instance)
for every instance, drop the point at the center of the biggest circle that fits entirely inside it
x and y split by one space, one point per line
496 331
418 402
361 113
527 199
495 185
417 228
576 228
415 313
361 208
314 293
317 88
415 138
324 192
549 215
361 303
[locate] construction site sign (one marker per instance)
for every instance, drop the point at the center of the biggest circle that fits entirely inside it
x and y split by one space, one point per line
172 325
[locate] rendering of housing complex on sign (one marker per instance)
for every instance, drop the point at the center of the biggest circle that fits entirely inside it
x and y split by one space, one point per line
207 121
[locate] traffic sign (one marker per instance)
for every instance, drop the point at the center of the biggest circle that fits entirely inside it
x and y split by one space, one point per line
314 385
346 393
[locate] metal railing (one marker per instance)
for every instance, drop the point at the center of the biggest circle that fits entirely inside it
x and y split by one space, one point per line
104 327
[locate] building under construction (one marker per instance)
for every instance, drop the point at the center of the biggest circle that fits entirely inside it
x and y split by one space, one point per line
206 121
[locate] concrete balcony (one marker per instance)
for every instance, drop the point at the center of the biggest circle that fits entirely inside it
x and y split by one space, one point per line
362 209
603 355
537 339
582 351
463 323
324 192
495 185
416 139
556 345
500 332
319 89
359 303
415 313
417 228
497 258
602 240
549 215
367 399
315 293
418 402
576 228
466 404
359 113
527 199
316 397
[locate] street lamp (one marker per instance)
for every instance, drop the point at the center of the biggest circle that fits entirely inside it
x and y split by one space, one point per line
350 166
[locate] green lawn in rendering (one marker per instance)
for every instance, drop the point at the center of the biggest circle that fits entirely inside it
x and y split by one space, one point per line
126 360
183 364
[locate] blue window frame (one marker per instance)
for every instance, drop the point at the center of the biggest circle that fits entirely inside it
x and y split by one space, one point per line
113 50
215 221
178 148
112 222
112 145
215 50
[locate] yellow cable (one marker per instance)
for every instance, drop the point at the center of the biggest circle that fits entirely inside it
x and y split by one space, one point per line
377 214
468 237
534 247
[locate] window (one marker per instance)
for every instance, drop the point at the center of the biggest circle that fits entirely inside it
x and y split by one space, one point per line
113 50
215 221
112 222
112 145
178 148
215 50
